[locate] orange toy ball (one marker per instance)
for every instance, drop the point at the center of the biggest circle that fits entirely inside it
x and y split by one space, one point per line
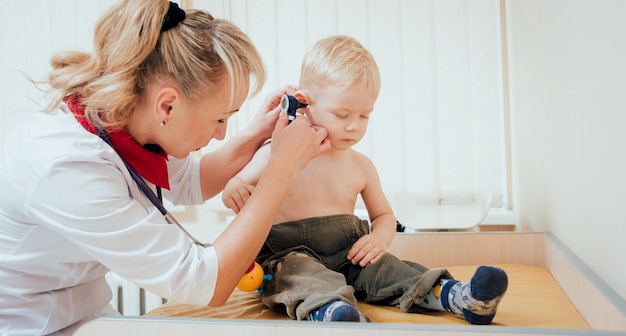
252 280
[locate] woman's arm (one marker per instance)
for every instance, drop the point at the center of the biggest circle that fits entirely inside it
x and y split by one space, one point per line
219 166
292 148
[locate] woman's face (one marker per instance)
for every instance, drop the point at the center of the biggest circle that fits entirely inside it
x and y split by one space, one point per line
344 112
198 121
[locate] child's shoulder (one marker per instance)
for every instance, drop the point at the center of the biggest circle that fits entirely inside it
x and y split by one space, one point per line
264 152
358 156
266 146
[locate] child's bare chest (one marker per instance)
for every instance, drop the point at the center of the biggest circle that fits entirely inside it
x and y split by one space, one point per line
328 185
329 182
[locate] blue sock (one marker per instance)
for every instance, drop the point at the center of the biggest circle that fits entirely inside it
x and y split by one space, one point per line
337 311
476 300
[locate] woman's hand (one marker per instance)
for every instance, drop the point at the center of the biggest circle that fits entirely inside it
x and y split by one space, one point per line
295 144
265 119
239 149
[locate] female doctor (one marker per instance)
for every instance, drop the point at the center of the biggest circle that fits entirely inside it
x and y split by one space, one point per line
80 185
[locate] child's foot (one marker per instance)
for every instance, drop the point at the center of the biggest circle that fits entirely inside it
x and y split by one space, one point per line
337 311
476 300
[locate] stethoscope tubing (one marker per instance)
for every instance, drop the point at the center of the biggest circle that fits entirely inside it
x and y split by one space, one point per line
154 199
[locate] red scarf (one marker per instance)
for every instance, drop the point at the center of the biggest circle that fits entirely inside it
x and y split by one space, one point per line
150 165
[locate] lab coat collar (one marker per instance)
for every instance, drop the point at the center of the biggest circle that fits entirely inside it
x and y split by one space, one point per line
150 162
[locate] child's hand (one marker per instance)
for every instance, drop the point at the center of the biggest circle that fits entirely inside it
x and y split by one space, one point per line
236 198
368 249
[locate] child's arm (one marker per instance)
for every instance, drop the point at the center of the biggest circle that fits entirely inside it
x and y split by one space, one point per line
371 247
240 187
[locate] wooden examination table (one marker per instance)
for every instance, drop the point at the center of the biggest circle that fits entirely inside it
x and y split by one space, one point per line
551 292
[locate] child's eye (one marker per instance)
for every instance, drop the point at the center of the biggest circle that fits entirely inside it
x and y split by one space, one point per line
365 116
342 116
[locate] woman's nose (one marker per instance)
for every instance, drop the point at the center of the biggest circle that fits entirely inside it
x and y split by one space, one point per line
220 132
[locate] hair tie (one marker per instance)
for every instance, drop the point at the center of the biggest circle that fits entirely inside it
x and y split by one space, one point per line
173 17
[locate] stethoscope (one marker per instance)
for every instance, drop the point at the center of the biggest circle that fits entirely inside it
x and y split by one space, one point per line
157 199
288 103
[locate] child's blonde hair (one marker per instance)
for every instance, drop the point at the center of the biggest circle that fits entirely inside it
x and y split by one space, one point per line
130 52
340 61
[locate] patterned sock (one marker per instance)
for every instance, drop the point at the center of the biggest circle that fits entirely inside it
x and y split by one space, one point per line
337 311
476 300
432 300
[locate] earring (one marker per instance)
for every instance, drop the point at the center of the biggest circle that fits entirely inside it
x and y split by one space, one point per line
162 123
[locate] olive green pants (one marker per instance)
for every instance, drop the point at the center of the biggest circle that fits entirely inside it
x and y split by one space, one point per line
308 259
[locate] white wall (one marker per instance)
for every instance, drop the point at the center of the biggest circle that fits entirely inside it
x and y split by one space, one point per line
30 32
568 90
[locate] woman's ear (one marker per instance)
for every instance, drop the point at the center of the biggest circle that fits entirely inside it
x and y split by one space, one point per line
164 104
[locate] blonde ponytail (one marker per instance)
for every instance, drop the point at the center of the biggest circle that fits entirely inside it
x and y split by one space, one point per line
130 52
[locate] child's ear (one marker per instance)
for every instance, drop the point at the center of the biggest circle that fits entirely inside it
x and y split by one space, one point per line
302 97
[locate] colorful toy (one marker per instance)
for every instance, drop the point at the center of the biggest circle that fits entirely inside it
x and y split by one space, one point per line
253 279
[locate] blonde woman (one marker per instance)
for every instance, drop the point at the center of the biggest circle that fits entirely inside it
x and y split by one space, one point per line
81 185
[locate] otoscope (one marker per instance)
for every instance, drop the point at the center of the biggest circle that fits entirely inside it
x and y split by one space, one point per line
290 104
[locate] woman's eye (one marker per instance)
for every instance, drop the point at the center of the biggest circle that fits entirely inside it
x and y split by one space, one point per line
221 121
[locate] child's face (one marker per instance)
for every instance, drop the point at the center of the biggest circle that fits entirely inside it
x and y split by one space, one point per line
344 112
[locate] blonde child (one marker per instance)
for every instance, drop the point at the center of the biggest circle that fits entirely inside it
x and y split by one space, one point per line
324 258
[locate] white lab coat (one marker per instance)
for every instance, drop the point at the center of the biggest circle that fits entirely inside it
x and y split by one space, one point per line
70 212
